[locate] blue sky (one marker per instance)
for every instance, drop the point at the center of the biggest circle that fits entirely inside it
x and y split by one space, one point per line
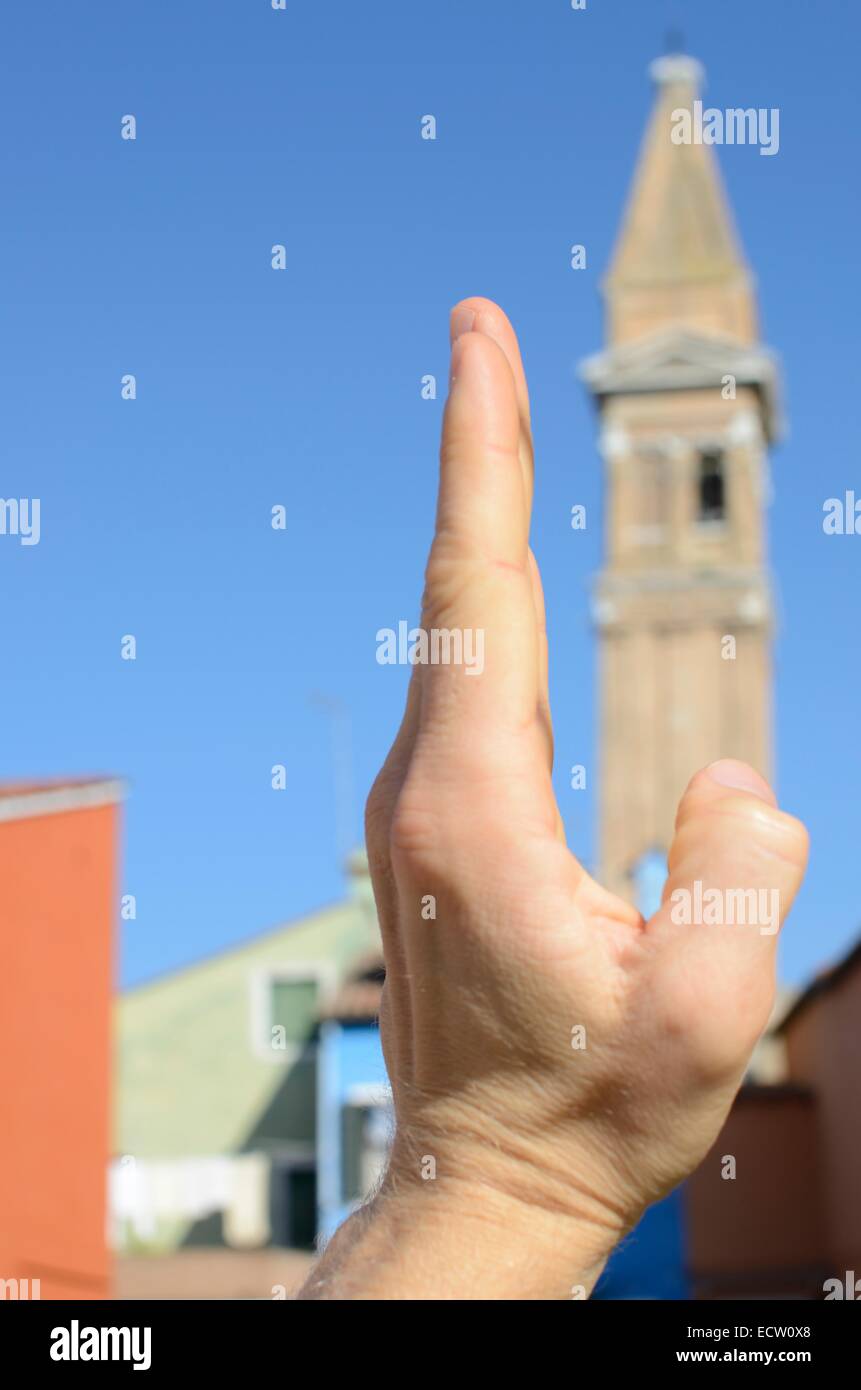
301 388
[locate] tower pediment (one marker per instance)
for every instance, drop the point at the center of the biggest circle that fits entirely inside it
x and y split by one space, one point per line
679 359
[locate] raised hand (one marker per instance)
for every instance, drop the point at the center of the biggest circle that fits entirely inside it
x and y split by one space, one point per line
557 1062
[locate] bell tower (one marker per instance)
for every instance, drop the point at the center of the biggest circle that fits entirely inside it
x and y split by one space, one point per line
687 403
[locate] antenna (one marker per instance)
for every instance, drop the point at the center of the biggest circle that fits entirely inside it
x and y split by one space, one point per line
341 726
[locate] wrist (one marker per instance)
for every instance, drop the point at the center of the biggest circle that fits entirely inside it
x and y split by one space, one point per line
435 1239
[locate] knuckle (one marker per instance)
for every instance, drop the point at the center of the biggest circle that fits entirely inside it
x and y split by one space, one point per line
746 819
414 835
718 1043
449 573
796 838
427 829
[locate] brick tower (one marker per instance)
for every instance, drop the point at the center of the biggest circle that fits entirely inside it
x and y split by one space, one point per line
686 398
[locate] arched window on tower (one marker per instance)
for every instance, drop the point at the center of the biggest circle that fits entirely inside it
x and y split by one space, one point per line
711 503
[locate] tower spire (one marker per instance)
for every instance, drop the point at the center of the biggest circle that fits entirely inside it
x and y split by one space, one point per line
677 261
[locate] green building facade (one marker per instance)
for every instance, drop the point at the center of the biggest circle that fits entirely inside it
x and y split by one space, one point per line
216 1086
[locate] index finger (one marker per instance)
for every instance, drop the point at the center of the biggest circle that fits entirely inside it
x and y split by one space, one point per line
478 584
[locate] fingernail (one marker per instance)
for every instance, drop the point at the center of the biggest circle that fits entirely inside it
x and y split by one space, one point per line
727 772
462 321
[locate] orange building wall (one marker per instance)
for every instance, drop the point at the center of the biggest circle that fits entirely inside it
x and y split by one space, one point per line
57 906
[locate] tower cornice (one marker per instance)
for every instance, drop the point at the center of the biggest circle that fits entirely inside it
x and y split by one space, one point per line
678 359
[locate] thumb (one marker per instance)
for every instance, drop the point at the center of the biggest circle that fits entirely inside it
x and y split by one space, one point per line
735 866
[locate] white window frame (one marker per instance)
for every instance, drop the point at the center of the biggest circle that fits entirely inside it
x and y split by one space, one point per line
321 973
